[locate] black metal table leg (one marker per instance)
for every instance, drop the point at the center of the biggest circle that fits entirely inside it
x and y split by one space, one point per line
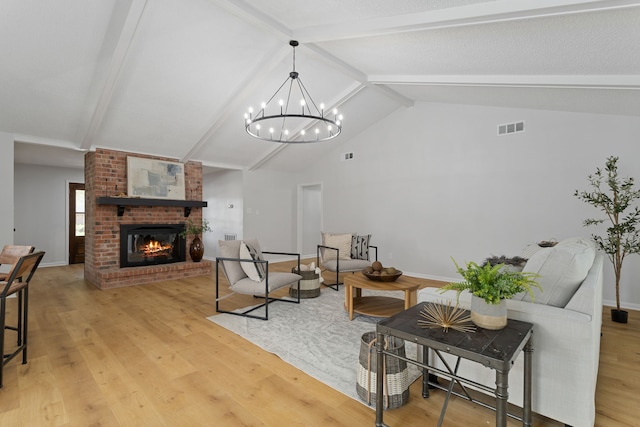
425 372
502 394
526 405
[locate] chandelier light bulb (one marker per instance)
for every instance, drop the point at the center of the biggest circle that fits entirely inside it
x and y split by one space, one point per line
335 111
340 117
271 130
258 127
286 131
263 105
302 132
250 109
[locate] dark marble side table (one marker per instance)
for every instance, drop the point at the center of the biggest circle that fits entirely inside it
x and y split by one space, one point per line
497 350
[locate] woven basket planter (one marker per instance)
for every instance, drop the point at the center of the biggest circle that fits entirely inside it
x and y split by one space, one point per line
309 285
396 372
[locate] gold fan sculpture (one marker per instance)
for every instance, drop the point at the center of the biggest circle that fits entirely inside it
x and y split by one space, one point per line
446 317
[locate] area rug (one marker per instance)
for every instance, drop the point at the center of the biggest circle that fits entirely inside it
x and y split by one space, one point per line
316 336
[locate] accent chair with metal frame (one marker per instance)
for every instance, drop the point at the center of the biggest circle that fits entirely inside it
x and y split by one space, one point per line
247 272
17 283
337 251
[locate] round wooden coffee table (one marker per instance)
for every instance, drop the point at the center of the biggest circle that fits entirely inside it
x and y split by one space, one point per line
376 305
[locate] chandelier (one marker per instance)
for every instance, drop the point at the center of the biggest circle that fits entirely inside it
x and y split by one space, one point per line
291 115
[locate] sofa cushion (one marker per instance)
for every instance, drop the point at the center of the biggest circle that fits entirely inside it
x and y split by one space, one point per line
561 268
347 264
340 241
276 281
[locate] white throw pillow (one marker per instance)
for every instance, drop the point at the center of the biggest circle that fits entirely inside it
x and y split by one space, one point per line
561 268
254 270
340 241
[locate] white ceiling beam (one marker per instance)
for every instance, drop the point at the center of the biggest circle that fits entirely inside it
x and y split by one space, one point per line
50 142
555 81
477 14
250 14
122 31
220 165
358 75
254 80
270 61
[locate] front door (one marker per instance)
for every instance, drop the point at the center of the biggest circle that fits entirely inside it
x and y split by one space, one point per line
76 223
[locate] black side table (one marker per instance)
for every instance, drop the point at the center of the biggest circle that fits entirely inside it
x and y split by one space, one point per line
497 350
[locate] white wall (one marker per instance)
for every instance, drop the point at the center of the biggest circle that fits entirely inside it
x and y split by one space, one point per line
435 181
310 209
270 209
41 204
220 190
6 189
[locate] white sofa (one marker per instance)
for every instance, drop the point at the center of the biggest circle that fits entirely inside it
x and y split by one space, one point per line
566 340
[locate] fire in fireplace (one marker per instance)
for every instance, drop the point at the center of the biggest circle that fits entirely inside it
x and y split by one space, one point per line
151 244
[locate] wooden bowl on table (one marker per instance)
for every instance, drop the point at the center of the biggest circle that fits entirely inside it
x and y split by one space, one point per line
383 277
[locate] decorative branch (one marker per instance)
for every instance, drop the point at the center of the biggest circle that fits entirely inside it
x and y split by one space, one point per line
445 316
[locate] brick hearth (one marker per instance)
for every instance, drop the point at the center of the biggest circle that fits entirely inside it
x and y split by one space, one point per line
106 176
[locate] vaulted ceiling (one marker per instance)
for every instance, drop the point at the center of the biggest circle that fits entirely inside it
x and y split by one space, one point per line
174 77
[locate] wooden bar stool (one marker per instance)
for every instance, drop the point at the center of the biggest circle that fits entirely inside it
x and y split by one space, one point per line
10 255
17 283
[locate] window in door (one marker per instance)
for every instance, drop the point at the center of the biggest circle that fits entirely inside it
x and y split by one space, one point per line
76 223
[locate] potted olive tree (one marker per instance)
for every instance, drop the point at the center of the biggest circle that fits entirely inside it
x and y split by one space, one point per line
490 286
615 196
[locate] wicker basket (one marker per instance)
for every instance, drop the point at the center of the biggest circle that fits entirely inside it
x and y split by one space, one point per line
309 285
396 372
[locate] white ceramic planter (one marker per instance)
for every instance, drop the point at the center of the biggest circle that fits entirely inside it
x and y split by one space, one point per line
488 316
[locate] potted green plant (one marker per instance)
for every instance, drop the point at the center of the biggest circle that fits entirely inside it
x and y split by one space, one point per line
490 286
615 196
195 229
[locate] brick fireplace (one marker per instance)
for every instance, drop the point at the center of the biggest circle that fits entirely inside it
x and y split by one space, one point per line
105 184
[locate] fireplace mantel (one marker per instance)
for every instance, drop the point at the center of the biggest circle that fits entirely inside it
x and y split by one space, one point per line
121 202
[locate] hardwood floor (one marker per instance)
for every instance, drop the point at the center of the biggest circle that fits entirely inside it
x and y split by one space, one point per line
147 356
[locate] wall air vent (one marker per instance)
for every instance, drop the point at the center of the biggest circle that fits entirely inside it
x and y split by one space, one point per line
511 128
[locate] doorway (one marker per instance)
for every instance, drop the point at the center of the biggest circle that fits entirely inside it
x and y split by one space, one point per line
76 223
309 218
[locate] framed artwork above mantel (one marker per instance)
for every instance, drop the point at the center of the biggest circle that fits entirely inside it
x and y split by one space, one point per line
155 179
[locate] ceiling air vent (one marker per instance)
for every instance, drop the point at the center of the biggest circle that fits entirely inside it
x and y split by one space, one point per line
511 128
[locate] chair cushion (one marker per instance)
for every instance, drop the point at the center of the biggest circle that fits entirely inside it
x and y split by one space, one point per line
340 241
360 246
347 265
562 269
255 270
231 249
276 281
